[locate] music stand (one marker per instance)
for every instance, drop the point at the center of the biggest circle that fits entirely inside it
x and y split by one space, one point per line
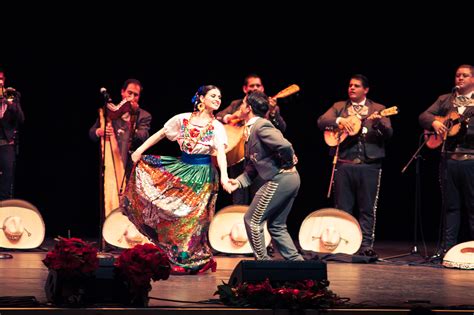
417 211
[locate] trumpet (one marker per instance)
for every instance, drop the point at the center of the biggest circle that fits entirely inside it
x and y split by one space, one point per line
9 93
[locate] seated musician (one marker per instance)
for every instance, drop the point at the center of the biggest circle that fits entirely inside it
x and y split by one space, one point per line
359 165
459 151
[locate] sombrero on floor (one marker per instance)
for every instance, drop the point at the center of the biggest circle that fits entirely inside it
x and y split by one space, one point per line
227 231
460 256
330 231
21 224
120 232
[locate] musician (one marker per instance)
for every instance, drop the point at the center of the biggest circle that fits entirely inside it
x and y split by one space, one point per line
231 115
458 153
359 164
270 156
128 121
11 116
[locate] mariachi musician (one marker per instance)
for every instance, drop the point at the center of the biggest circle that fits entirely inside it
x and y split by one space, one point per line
11 117
126 127
360 155
450 117
231 115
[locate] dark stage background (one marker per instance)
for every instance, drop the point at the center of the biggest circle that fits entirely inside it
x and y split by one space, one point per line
60 76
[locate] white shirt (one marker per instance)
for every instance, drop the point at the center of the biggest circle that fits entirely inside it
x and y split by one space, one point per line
338 119
249 125
175 129
461 109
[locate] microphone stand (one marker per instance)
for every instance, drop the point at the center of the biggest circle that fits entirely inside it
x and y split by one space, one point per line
2 100
102 175
417 213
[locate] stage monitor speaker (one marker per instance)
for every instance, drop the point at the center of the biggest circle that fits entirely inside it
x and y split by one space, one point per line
277 271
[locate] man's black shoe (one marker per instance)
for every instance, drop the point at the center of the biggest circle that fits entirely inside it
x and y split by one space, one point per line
271 250
369 252
437 257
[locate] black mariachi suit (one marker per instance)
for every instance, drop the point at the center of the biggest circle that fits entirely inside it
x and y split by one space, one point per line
9 123
359 166
122 133
459 170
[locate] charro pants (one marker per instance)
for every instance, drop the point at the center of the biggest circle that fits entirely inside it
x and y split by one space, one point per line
361 183
460 189
7 165
272 203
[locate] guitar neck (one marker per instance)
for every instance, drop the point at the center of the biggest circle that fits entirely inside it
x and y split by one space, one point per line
389 111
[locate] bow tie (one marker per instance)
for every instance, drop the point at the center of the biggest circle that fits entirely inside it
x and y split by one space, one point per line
357 107
461 100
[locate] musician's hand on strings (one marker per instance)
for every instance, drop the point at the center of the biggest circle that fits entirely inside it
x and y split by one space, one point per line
346 124
136 156
272 110
272 101
109 131
439 127
232 185
375 116
134 105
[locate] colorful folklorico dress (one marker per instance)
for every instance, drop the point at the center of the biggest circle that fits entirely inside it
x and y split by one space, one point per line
172 200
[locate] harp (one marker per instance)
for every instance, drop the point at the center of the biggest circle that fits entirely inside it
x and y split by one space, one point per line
113 169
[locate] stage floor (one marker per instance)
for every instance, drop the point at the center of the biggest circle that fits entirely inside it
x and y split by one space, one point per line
377 287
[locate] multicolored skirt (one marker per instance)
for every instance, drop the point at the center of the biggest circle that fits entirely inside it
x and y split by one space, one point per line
172 201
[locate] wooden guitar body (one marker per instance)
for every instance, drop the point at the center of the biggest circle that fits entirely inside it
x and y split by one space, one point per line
334 137
452 121
236 142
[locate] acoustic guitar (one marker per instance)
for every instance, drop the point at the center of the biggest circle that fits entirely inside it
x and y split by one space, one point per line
292 89
452 121
336 136
236 142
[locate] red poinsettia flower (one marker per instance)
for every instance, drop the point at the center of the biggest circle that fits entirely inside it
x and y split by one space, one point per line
141 264
293 295
72 255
